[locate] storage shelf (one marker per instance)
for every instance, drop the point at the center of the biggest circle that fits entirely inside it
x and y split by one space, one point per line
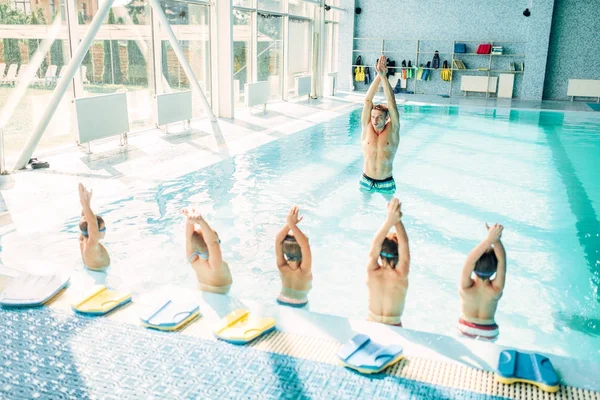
450 69
439 52
420 57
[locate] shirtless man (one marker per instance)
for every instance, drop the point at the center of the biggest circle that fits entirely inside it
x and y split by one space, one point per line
93 229
380 136
480 294
387 270
294 261
203 251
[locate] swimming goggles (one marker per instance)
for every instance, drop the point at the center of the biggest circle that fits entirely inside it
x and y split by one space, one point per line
85 233
484 274
293 258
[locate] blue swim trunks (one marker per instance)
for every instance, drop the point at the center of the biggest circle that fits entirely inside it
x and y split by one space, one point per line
386 185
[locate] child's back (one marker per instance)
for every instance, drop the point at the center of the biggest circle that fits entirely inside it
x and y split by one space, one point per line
93 229
294 261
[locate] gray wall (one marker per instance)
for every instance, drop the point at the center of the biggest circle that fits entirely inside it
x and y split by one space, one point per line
574 45
438 23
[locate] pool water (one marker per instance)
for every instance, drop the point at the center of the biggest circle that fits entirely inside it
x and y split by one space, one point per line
456 169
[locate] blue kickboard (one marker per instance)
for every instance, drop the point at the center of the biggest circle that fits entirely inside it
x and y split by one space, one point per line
32 290
169 314
361 352
532 367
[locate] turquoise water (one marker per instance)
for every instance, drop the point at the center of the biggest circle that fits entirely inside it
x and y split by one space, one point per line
456 168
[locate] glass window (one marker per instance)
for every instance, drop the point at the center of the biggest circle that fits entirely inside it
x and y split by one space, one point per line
270 5
30 78
270 53
299 51
331 46
120 59
244 3
23 6
299 7
242 54
190 22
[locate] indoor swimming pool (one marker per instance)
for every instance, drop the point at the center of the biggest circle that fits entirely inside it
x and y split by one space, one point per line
456 169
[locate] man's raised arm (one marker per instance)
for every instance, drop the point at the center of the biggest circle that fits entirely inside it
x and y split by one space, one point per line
366 114
389 94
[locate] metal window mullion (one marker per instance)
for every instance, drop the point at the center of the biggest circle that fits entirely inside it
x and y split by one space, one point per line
73 38
241 8
276 13
209 67
300 18
286 55
156 53
254 49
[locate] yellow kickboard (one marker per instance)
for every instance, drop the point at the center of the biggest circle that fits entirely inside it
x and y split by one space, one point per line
542 386
101 301
239 327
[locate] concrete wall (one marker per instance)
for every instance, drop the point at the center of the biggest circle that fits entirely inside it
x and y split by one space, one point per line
574 45
437 23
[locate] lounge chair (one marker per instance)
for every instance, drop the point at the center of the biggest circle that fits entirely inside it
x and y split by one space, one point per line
84 74
50 77
11 74
63 69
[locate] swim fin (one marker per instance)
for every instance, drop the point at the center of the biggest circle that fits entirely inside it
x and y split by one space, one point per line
391 66
357 63
427 73
446 74
420 72
435 64
361 74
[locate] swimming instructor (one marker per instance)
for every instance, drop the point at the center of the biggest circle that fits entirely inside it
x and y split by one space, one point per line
380 136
